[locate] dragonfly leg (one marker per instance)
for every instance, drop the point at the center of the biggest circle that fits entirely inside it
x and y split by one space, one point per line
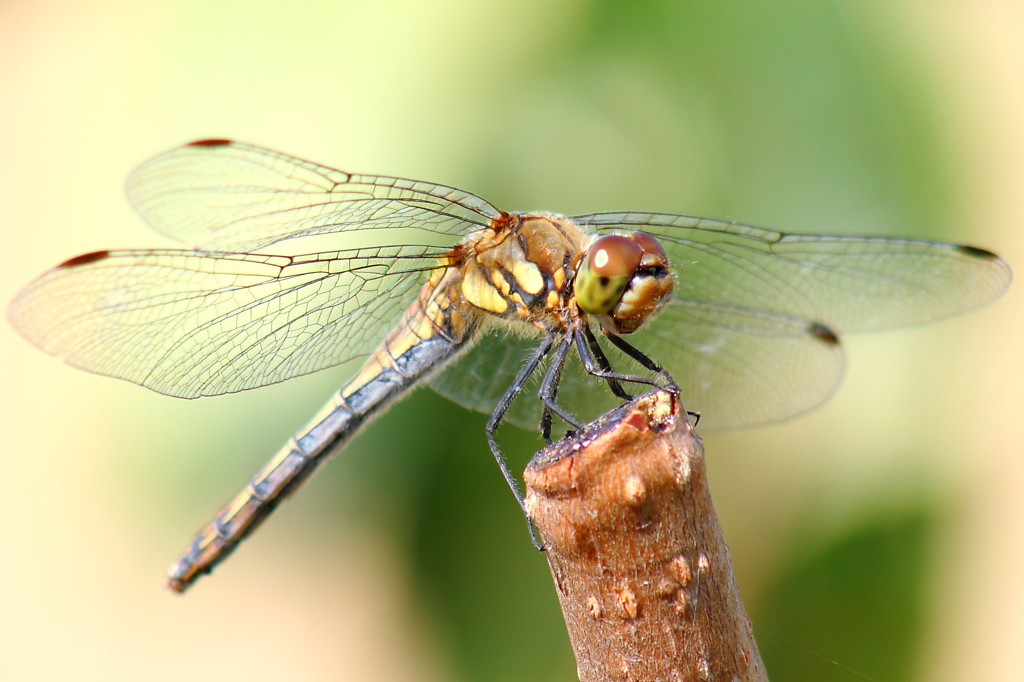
549 389
498 414
602 361
545 425
650 364
642 358
594 368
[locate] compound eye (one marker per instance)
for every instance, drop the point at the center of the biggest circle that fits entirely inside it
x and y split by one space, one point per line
614 256
654 252
608 265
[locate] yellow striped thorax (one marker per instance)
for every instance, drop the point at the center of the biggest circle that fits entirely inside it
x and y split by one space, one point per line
518 269
533 267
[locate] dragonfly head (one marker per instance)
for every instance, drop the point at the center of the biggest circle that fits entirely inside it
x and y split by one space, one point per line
623 280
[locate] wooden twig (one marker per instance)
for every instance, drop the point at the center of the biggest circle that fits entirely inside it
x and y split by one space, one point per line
638 557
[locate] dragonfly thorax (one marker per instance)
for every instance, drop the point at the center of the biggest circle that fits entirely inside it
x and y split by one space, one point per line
521 268
543 269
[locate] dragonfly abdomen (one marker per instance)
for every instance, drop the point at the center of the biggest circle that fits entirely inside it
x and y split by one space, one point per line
426 338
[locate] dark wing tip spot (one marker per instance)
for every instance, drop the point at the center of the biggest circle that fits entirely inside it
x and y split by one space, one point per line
212 142
823 334
84 259
977 253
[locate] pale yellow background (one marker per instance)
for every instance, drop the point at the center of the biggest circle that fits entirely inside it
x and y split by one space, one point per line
103 482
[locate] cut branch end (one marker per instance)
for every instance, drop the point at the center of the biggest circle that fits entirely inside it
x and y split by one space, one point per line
638 557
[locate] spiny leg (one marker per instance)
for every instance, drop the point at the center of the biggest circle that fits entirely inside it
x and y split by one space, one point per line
602 361
650 364
545 424
643 359
499 412
549 389
593 368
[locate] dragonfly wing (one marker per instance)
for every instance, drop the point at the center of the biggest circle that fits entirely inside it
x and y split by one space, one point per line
221 195
847 283
480 375
737 367
192 324
740 367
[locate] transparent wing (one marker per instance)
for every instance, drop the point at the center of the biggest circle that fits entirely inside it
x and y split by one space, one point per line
193 324
747 334
221 195
479 376
737 367
848 283
740 367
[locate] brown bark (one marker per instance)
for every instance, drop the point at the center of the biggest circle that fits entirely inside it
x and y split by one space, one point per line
638 557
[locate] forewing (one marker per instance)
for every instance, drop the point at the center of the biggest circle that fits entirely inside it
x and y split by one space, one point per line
847 283
193 324
221 195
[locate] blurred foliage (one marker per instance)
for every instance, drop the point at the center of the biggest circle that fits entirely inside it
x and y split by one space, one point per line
785 114
852 609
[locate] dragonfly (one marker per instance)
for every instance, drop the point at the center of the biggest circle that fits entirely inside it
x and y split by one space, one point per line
436 286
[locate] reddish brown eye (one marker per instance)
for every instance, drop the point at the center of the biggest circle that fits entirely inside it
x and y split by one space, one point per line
610 264
614 256
654 252
624 279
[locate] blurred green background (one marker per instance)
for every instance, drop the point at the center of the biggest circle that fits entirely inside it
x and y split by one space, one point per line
881 537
